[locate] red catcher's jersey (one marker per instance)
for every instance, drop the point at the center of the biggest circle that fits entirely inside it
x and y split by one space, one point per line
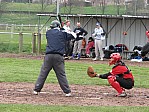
121 70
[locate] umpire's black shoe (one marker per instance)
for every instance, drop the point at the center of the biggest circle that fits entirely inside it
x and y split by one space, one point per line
35 92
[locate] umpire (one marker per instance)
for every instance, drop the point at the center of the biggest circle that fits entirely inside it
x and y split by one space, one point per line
55 49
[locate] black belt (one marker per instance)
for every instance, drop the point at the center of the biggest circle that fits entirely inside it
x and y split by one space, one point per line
54 53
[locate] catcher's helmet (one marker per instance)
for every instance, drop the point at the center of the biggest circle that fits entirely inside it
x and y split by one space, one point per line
55 24
115 57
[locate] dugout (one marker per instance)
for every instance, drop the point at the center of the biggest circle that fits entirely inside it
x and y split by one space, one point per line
114 26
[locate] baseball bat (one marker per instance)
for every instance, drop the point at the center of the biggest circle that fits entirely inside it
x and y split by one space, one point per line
60 20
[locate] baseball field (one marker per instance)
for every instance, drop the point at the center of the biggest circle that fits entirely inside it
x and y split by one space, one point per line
19 72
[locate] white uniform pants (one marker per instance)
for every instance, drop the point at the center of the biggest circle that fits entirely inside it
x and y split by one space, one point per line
98 48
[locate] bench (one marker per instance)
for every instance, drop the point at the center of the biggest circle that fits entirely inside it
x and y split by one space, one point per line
126 54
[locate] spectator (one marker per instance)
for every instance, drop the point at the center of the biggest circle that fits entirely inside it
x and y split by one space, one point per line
67 26
81 33
99 36
69 44
89 46
145 48
83 43
54 58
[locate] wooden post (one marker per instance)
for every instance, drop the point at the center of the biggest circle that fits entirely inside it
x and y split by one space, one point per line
34 42
20 42
39 43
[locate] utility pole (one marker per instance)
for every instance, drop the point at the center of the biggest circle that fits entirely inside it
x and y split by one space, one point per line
58 2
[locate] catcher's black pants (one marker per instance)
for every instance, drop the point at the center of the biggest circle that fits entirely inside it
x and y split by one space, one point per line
56 62
125 83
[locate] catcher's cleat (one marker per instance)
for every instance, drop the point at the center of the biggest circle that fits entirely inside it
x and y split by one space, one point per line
35 92
123 94
68 94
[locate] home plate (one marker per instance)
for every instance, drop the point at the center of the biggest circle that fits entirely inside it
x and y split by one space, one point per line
45 92
105 93
20 90
94 98
89 98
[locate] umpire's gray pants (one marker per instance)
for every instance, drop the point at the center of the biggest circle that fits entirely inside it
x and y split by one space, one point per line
56 62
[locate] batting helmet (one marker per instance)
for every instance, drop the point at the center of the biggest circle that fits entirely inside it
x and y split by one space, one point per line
115 57
55 24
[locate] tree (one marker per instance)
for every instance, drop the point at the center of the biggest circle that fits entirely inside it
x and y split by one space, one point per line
3 5
75 5
44 4
117 3
103 5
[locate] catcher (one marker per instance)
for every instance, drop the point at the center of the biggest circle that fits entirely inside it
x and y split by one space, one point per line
120 77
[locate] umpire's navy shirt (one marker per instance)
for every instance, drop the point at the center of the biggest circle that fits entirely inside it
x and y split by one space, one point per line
56 40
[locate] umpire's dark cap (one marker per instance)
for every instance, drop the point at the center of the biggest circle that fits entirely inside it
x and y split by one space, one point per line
55 24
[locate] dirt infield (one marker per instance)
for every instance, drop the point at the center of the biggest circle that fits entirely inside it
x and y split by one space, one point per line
82 95
21 93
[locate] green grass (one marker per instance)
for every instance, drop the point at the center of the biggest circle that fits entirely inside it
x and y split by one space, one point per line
44 108
30 18
10 43
29 7
27 70
110 9
22 18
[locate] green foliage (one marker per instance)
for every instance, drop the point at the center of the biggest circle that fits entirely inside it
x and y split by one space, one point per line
27 70
44 108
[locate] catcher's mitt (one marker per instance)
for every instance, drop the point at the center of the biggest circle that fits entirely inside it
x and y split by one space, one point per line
90 72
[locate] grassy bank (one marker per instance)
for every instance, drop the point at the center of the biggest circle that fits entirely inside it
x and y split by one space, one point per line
24 13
